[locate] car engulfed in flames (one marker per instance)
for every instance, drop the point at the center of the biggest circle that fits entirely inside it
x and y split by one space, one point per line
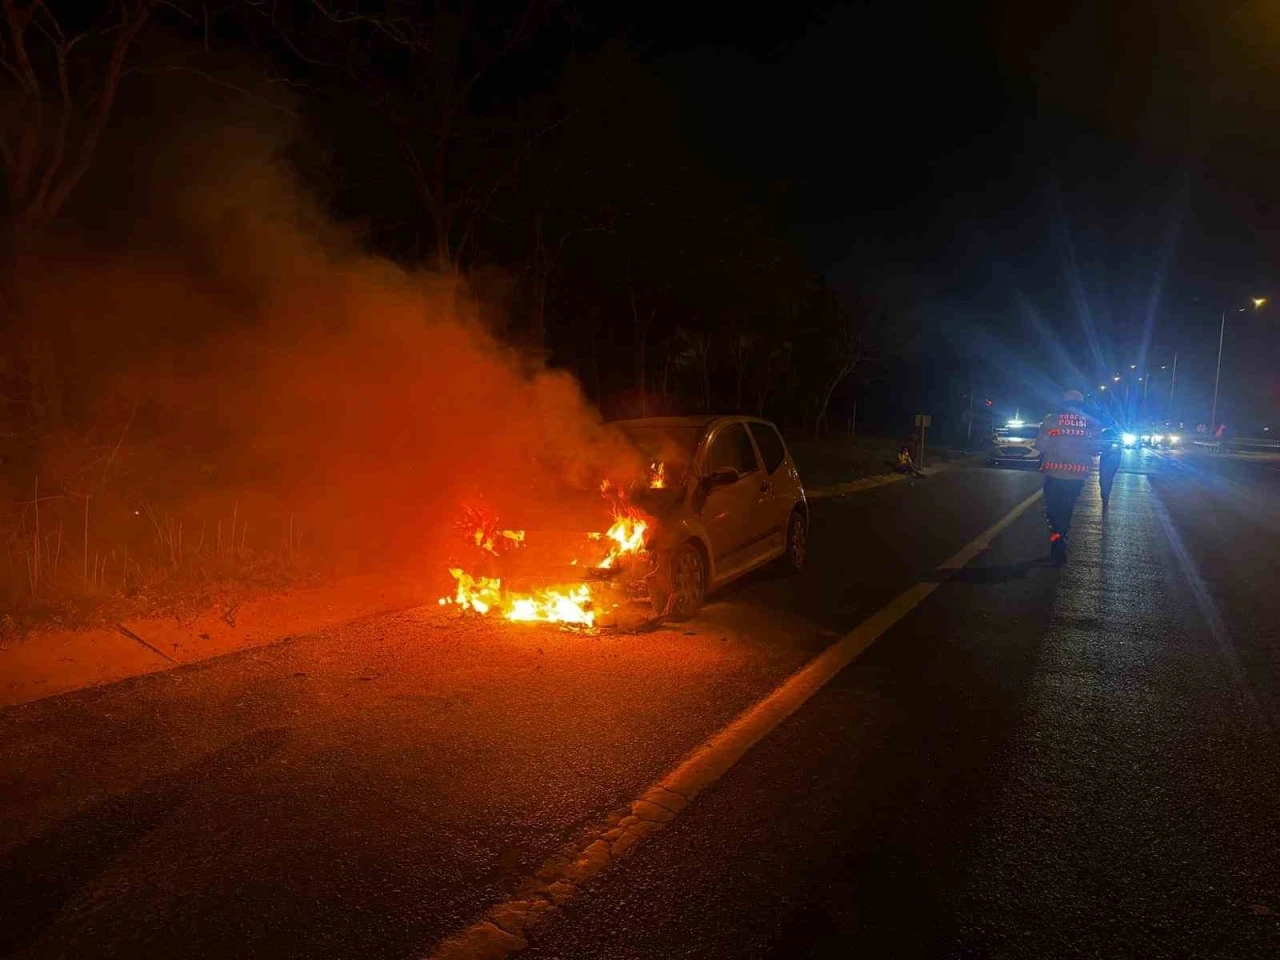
710 499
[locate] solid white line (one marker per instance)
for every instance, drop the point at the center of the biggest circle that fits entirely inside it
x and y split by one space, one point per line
504 928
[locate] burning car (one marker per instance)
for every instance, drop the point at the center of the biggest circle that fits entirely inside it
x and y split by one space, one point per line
725 497
721 497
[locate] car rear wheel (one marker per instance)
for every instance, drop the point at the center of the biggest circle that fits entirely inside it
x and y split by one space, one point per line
682 584
797 550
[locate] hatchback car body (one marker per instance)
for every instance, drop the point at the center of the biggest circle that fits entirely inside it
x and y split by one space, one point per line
1015 445
729 500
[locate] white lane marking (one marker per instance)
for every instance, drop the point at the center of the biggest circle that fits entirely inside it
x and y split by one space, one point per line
504 928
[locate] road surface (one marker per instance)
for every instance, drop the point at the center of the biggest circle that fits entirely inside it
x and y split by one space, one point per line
1029 763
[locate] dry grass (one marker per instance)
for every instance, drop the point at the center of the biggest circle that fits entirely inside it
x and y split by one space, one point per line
78 561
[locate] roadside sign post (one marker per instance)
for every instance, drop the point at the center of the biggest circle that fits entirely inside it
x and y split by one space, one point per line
923 421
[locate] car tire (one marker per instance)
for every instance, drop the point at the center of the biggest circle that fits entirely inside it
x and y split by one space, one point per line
796 552
682 584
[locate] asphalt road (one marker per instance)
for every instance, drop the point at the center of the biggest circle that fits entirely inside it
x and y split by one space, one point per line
1035 762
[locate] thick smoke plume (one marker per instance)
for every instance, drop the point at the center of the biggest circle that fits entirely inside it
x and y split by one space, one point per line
236 353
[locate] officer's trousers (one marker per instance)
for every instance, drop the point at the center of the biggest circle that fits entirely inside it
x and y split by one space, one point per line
1060 497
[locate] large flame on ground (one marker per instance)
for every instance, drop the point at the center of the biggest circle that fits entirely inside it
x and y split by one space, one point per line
484 595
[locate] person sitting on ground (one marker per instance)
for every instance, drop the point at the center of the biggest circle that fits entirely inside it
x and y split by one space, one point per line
905 464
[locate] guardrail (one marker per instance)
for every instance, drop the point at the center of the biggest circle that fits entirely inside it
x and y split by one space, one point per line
1243 444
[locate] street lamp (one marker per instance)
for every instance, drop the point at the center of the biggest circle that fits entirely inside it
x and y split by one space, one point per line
1217 376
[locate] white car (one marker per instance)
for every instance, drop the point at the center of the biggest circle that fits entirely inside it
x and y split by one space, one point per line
1015 445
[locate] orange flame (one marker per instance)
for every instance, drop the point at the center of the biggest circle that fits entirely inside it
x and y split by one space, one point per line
554 606
481 530
480 594
627 534
570 604
657 476
484 595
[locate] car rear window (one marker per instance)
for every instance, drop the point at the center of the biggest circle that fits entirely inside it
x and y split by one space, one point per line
772 450
731 450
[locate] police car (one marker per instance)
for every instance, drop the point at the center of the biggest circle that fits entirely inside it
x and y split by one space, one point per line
1014 444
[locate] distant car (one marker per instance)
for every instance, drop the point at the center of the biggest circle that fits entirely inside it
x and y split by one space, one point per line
1162 440
1015 445
730 501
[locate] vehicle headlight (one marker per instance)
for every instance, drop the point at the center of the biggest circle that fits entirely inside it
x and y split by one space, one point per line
1129 439
1173 438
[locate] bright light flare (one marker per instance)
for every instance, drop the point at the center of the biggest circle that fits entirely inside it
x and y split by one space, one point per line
1129 439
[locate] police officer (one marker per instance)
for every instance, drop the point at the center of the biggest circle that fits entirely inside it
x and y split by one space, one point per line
1069 440
1109 462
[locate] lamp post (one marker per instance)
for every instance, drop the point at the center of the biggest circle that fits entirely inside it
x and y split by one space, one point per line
1217 376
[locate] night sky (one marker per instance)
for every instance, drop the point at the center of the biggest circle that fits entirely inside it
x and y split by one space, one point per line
1044 188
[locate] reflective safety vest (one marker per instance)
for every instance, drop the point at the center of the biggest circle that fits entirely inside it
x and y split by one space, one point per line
1068 442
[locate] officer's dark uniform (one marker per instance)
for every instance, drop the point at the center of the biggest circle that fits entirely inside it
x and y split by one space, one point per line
1109 462
1069 440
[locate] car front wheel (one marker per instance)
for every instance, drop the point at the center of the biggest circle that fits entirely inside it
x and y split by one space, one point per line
683 584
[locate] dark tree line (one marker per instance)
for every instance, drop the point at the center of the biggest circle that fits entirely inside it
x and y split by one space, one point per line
548 169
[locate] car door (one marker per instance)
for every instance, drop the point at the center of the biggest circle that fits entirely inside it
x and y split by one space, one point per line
730 510
777 493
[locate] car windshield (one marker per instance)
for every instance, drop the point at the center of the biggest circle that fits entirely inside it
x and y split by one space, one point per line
672 446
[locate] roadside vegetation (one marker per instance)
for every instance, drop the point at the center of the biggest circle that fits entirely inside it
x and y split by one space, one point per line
210 211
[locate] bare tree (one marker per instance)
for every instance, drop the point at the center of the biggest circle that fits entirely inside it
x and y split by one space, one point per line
847 350
693 352
642 323
773 366
742 351
61 67
421 71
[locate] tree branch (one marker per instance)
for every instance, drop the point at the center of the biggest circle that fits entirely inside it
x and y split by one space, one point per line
128 30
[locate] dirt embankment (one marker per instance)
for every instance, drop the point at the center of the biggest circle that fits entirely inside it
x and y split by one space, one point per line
47 662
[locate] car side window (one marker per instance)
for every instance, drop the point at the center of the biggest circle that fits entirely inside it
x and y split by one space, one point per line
772 449
731 450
